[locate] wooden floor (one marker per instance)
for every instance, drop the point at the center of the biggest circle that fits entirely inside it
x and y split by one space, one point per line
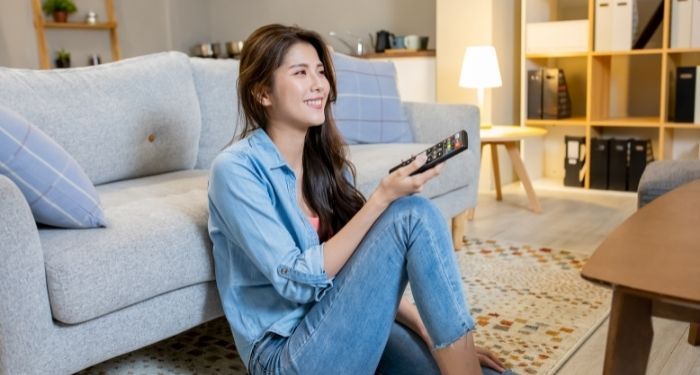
579 220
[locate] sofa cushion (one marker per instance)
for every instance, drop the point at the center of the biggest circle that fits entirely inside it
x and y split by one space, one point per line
131 118
215 81
372 163
56 188
157 242
368 108
662 176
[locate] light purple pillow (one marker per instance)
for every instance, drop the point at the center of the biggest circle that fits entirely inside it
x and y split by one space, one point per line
57 189
368 109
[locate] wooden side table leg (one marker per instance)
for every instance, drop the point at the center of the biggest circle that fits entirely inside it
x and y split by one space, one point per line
472 211
458 230
629 334
520 170
496 171
694 334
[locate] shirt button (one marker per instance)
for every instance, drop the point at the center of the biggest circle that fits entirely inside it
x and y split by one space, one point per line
284 270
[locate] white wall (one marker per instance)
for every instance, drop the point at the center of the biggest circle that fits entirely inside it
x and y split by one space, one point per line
485 22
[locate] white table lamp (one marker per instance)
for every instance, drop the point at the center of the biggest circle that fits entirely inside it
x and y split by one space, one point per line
480 71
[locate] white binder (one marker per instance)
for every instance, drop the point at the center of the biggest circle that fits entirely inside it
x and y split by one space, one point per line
681 21
623 24
603 25
695 25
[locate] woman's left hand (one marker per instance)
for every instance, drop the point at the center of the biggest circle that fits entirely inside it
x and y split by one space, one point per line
488 358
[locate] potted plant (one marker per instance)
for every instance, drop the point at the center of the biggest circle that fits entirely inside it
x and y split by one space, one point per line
60 9
62 58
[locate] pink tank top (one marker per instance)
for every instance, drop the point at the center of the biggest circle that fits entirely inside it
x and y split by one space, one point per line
315 222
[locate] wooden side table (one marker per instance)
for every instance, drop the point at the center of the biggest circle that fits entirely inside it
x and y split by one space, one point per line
510 137
652 263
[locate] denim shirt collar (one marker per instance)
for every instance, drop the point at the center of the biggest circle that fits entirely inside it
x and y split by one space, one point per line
271 158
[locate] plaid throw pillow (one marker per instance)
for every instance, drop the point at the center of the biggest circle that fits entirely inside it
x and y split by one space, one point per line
56 187
368 109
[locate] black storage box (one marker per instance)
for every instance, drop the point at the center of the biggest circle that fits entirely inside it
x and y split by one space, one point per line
640 155
600 155
617 167
574 160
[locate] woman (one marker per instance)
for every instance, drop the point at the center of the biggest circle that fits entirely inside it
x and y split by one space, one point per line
311 274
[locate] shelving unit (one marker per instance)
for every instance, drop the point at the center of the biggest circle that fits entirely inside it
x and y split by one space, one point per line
41 24
609 95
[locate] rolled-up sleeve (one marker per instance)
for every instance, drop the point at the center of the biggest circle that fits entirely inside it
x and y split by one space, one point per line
242 207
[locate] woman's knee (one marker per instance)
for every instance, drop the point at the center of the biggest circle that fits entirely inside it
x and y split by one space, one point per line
415 205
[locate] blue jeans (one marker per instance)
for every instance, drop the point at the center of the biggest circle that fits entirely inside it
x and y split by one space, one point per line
351 330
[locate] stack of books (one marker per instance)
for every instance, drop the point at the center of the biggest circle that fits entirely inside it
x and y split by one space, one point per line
547 94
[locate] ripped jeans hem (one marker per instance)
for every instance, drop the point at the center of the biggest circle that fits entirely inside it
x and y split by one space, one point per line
450 342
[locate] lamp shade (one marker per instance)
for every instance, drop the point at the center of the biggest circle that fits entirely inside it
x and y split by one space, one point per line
480 68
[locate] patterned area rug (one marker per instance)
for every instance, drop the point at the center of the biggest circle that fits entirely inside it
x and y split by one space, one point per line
531 306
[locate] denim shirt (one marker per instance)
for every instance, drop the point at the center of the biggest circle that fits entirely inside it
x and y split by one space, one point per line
267 257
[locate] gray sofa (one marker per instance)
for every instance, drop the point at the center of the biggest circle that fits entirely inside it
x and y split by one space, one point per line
663 176
145 131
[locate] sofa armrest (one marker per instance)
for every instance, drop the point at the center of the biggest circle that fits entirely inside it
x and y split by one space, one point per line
432 122
25 315
663 176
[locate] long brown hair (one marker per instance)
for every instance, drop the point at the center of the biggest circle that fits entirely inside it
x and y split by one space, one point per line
325 186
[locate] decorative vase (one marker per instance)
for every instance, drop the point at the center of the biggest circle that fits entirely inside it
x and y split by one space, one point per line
60 16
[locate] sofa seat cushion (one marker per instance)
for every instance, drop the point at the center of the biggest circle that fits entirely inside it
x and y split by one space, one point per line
157 242
373 161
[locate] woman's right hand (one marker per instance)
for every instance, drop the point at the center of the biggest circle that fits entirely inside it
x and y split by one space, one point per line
400 182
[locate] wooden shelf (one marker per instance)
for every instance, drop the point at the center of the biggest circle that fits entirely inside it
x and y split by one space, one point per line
682 125
400 53
41 25
683 50
629 122
78 25
632 83
555 55
654 51
572 121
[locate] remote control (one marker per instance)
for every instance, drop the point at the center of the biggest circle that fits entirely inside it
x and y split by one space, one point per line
440 152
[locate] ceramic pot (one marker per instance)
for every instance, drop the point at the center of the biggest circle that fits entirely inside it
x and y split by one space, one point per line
60 16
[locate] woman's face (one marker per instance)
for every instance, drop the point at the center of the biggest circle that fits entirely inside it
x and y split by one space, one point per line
299 91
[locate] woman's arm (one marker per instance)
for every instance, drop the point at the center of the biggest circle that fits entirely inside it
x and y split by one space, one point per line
338 249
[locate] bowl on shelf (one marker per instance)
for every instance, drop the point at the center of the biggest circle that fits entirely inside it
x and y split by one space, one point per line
202 50
233 49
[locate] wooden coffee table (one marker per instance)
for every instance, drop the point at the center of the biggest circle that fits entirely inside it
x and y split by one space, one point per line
652 263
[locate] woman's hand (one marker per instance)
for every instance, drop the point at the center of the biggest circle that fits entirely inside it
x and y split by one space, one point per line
488 358
400 182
